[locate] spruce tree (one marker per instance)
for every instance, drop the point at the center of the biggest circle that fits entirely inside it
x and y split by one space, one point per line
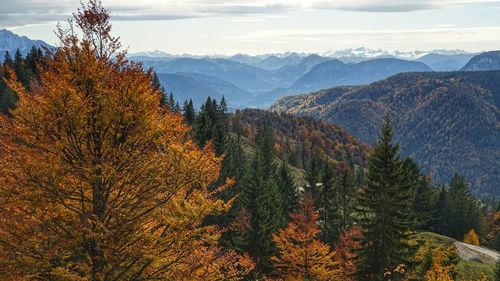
424 205
7 60
463 209
171 102
288 189
326 200
313 178
441 217
221 127
260 200
20 68
337 201
189 113
202 129
384 210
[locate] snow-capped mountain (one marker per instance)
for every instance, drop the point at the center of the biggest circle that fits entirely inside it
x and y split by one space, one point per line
9 41
366 53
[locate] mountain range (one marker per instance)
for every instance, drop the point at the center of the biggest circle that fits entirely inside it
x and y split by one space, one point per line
11 42
448 122
259 80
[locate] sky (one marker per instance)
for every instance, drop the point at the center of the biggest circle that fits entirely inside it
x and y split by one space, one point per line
209 27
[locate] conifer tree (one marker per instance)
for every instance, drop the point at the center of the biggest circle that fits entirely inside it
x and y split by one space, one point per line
8 59
463 210
202 129
424 204
171 102
260 203
288 190
157 85
441 217
20 68
313 178
384 207
221 127
336 201
189 113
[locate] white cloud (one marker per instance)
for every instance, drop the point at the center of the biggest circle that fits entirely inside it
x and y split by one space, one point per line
23 12
375 37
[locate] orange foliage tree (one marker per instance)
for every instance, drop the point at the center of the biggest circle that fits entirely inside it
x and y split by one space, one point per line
345 250
471 237
443 264
301 255
98 181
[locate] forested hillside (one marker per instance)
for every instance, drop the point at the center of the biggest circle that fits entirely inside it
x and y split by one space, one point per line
447 122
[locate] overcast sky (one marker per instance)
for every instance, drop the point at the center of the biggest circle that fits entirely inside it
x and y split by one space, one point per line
264 26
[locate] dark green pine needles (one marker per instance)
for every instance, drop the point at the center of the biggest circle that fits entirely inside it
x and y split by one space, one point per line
384 208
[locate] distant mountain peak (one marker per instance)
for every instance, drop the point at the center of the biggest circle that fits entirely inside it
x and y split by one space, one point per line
367 53
485 61
10 41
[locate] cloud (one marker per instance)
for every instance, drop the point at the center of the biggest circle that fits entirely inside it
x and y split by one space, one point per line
390 37
24 12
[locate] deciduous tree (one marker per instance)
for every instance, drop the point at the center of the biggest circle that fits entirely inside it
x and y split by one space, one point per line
301 255
98 181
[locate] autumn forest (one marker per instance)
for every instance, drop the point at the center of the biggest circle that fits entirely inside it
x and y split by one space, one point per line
105 176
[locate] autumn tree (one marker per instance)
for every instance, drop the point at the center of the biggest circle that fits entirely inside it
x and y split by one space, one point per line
301 255
345 252
471 237
98 181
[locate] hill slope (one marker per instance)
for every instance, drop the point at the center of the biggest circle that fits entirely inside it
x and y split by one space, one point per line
484 61
302 135
447 122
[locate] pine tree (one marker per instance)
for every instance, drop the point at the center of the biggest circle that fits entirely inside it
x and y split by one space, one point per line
20 68
260 203
157 85
7 61
221 127
202 129
463 211
336 201
189 113
441 216
384 207
327 202
171 102
313 178
288 190
424 204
